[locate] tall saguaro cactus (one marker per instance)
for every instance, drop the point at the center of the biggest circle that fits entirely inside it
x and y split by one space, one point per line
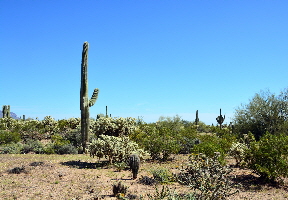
84 103
6 111
196 119
220 119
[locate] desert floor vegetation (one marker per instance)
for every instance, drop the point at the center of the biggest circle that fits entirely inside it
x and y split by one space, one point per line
83 177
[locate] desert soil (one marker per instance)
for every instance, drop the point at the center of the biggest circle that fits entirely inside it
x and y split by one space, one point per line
82 177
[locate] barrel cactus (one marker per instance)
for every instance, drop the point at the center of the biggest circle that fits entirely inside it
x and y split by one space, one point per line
134 163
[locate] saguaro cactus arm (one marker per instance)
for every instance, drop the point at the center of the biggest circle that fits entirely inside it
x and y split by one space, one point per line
94 97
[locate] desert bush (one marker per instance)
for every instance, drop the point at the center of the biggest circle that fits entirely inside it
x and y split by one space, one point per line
213 143
206 177
264 112
7 137
162 175
269 157
67 149
73 136
159 141
12 148
116 149
33 146
145 180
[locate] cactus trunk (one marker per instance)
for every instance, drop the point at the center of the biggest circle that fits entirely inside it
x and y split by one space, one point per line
84 103
220 119
6 111
196 119
134 163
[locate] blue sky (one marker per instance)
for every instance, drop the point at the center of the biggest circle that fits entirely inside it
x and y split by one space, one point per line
149 58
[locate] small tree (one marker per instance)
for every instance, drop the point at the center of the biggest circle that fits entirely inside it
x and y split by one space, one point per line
265 112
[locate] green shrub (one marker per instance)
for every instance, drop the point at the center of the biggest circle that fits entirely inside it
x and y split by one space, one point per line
162 175
7 137
213 143
12 148
33 146
66 149
159 141
269 157
74 137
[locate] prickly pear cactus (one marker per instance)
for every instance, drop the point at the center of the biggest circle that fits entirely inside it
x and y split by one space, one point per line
134 163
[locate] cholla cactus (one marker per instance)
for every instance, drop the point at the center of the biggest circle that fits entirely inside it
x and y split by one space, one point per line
237 150
113 126
116 149
207 177
134 163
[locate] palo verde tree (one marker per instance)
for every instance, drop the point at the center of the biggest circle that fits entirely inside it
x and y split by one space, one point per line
266 112
84 103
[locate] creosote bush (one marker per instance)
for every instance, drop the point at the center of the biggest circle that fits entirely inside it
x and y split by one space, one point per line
268 157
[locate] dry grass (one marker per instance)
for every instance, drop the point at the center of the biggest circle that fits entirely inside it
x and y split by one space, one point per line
82 177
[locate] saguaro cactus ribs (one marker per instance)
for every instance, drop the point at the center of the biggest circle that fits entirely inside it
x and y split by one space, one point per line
84 103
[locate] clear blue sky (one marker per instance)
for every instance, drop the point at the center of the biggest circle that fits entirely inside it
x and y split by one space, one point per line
149 58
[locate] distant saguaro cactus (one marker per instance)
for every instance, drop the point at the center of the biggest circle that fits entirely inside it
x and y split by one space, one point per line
220 119
84 103
6 111
196 119
134 163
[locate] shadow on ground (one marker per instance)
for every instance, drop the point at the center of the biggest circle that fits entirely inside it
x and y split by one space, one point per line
251 182
84 165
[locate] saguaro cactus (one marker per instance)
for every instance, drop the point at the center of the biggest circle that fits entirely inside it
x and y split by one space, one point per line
6 111
84 103
196 119
220 119
134 163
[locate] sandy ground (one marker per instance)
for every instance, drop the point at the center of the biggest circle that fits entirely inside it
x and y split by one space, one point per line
82 177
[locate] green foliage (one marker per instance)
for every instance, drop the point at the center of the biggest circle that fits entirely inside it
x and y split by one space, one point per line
73 136
12 148
157 140
113 126
33 146
167 136
269 157
120 166
7 137
116 149
212 143
264 112
66 149
162 175
206 177
61 145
